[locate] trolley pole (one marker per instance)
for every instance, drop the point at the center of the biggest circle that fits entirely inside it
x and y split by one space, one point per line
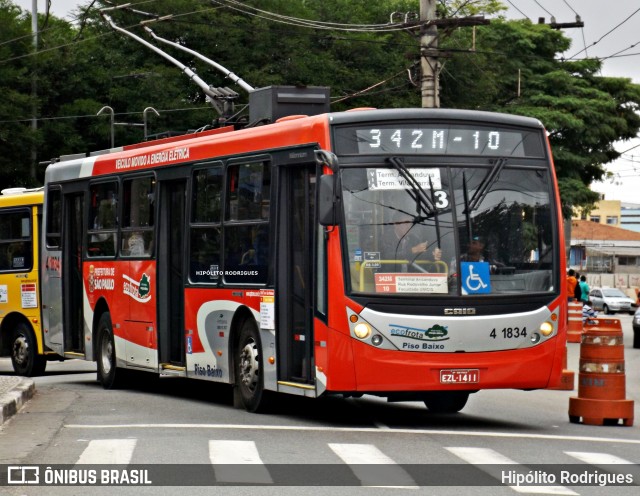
429 65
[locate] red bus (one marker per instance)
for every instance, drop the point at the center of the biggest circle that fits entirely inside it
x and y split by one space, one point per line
413 254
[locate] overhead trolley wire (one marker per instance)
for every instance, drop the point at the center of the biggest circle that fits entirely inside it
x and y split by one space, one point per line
606 34
542 7
295 21
516 7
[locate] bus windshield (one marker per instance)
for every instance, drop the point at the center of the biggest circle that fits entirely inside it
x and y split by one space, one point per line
454 230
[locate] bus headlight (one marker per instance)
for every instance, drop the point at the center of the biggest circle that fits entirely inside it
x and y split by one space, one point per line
546 329
362 330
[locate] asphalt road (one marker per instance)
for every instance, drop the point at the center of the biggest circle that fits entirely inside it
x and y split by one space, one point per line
186 431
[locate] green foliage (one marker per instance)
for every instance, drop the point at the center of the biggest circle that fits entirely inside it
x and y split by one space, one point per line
15 87
584 113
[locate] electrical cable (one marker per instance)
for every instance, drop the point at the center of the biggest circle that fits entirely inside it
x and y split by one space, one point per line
542 7
606 34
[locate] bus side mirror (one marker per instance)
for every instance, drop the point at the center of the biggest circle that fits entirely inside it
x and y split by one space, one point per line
326 201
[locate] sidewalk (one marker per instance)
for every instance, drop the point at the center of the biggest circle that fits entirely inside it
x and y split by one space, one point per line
14 392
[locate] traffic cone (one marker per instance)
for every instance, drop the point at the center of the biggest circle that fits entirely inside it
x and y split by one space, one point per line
574 327
601 378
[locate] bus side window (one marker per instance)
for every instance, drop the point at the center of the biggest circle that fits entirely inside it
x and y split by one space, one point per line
103 220
54 217
205 255
205 227
138 217
248 193
15 241
246 228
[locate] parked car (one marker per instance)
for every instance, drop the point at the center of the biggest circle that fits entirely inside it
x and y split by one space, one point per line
636 329
611 300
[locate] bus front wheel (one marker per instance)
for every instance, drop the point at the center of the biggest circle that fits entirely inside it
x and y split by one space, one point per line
249 369
446 401
24 352
108 374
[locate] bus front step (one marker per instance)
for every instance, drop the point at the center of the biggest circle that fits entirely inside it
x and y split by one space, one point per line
168 369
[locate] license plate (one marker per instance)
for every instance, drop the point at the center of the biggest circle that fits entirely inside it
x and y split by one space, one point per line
459 376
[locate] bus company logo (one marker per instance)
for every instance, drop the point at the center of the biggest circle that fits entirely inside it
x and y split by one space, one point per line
101 278
459 311
92 278
138 290
434 333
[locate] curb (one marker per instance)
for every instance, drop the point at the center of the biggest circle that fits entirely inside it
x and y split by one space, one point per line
12 400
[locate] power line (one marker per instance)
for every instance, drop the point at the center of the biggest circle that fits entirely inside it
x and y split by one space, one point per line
629 149
617 54
567 4
294 21
516 7
81 116
367 90
542 7
606 34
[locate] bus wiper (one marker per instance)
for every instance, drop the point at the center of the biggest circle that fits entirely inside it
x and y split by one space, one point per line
485 186
418 193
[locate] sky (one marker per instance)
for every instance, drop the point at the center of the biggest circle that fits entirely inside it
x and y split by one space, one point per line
611 28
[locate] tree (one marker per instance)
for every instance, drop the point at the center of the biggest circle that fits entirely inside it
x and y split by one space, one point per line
15 86
585 114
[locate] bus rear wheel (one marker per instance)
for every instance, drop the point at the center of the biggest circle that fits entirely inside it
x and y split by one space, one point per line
24 352
446 401
249 369
108 374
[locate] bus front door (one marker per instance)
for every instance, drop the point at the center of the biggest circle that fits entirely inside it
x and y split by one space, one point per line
170 274
294 283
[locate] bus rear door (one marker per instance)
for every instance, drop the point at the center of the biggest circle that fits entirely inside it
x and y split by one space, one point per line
63 317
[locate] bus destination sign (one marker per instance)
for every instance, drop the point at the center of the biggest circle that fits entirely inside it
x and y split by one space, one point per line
439 140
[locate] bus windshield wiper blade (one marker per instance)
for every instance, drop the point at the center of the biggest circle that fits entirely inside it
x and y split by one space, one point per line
486 184
419 192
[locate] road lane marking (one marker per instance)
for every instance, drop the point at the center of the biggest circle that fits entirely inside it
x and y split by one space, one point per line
108 452
486 458
230 460
430 432
358 456
598 458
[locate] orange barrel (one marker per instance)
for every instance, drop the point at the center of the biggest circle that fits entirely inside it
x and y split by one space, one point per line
574 327
601 378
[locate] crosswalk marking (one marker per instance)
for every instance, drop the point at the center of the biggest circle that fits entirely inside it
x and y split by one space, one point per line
598 458
357 456
108 452
230 460
238 461
486 457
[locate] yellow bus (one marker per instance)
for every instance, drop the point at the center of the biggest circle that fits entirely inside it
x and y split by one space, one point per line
20 312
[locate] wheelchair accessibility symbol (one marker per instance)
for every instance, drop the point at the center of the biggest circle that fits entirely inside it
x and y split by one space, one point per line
475 277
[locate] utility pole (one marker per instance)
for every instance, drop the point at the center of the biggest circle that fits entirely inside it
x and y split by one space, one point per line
429 65
562 25
34 90
430 53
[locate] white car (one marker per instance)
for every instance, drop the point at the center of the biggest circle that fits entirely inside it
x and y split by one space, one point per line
611 300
